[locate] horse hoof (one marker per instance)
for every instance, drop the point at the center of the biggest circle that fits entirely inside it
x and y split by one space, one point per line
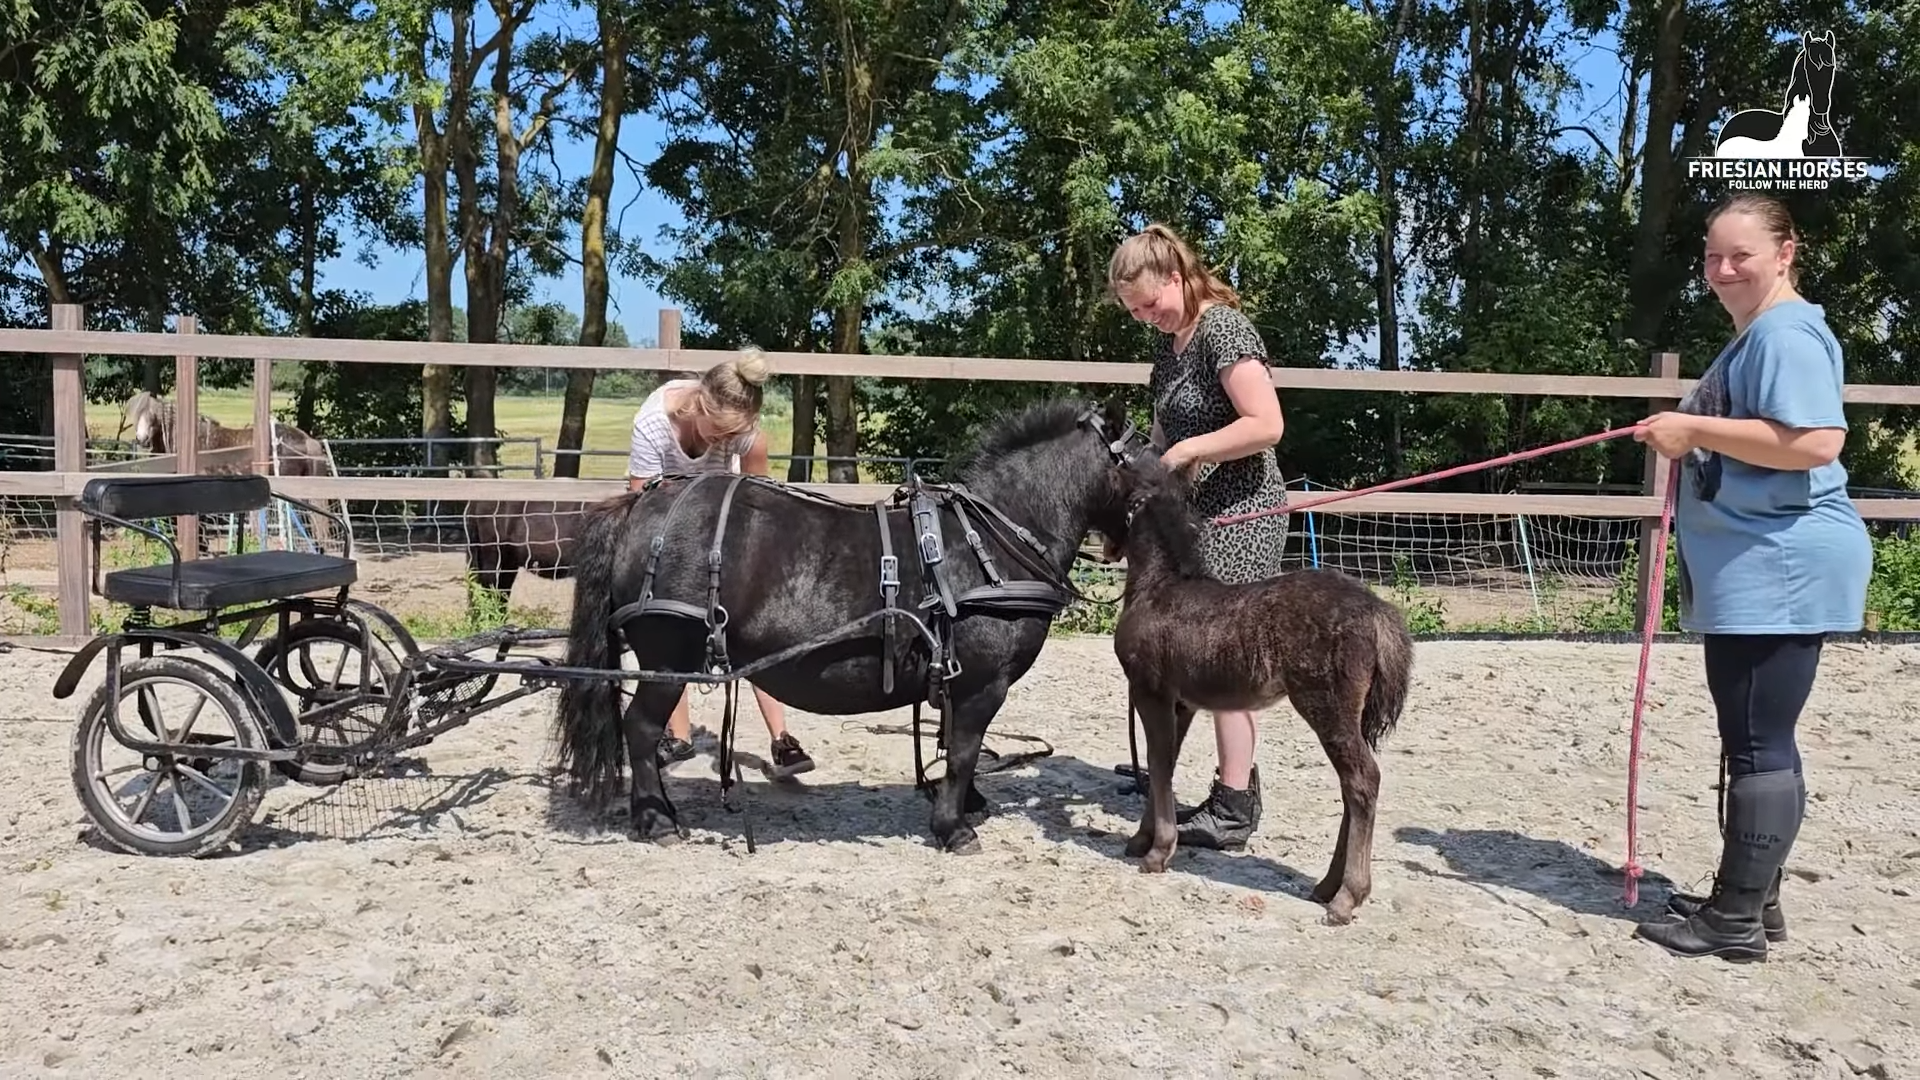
659 830
1139 844
1155 862
963 842
1338 914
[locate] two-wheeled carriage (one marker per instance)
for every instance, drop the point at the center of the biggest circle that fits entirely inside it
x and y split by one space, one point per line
314 685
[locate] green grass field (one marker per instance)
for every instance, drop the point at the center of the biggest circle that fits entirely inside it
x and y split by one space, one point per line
609 423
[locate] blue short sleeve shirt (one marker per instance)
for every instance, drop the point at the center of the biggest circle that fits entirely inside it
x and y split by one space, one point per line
1771 551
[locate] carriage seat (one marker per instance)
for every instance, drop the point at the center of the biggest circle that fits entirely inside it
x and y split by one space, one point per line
209 583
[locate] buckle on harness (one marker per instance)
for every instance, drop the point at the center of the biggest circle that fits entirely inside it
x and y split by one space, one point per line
889 570
930 552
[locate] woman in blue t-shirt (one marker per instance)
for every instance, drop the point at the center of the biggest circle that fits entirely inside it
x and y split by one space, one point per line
1772 557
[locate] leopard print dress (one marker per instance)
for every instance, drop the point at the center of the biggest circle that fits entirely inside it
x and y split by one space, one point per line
1188 400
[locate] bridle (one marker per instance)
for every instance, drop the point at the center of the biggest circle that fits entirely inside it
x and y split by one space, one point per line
1125 448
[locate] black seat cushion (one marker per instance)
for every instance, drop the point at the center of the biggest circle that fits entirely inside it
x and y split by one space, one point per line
249 578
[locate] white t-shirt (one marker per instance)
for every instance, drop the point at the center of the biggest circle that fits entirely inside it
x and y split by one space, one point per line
656 451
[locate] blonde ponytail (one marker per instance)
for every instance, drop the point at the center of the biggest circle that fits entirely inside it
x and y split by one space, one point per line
1159 251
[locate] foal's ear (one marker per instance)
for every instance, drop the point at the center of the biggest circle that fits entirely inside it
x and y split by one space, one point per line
1114 412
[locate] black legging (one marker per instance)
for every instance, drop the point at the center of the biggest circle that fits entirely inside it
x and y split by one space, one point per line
1760 682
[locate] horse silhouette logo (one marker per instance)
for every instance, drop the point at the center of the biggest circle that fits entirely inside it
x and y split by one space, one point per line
1803 127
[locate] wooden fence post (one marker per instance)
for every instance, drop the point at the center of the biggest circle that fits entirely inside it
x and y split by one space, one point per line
1664 365
263 416
70 456
669 331
186 454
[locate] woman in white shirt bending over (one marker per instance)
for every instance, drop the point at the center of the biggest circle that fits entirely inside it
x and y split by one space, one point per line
698 425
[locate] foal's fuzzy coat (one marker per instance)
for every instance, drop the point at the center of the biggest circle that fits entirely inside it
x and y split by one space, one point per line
1187 641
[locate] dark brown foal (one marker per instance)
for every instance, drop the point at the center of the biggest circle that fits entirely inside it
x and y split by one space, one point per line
1319 638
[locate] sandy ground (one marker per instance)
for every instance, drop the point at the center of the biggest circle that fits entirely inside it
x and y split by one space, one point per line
467 920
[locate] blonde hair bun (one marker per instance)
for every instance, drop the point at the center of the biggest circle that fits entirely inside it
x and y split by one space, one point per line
752 366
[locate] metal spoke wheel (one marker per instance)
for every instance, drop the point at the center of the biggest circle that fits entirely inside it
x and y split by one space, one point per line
318 661
183 803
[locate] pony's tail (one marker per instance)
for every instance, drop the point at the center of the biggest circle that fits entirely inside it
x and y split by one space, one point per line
587 720
1392 675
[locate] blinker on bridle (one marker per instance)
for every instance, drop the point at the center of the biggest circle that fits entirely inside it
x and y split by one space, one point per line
1128 446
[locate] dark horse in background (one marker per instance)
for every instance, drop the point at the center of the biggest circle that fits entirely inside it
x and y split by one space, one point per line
796 567
1812 82
506 536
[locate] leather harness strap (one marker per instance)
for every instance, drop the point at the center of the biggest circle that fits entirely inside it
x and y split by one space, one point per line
889 591
1046 596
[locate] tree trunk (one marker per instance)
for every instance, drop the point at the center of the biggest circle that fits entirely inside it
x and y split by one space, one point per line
860 90
593 235
843 434
1629 125
1649 291
1386 243
436 380
806 433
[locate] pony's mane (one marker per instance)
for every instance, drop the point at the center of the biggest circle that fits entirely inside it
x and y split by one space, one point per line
1035 424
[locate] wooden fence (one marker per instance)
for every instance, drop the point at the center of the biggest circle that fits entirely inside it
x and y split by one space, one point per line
67 343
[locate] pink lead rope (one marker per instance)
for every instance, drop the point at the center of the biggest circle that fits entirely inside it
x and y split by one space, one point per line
1656 601
1656 606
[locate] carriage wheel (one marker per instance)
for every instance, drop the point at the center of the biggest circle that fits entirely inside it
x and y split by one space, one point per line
168 804
318 660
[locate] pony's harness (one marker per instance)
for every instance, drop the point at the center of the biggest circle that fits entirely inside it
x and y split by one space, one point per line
932 616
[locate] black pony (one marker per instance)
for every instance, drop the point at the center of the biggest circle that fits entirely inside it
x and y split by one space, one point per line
777 570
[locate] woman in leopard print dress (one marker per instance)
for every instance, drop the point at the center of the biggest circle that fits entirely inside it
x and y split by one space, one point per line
1216 414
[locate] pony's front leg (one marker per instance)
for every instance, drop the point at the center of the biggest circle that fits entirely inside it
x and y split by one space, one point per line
653 815
968 717
1153 843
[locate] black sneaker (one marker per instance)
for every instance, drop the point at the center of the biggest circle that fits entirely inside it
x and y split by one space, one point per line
788 758
672 750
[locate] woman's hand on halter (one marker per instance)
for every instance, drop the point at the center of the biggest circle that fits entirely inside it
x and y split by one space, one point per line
1180 458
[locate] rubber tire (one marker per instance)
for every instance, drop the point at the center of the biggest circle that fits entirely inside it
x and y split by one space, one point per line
218 687
305 769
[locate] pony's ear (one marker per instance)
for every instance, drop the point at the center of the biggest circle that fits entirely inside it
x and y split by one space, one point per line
1114 412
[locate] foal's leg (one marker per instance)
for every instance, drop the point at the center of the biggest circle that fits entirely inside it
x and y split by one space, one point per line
1334 715
969 717
1183 717
653 815
1158 834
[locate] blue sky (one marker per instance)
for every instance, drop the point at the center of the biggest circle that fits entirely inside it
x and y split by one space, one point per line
640 214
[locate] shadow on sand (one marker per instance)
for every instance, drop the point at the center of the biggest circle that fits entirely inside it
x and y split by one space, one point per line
1054 793
1552 870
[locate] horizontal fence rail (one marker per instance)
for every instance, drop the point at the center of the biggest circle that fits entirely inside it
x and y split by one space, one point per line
860 365
442 500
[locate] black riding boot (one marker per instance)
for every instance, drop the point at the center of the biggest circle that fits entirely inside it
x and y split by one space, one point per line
1226 820
1773 919
1763 819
